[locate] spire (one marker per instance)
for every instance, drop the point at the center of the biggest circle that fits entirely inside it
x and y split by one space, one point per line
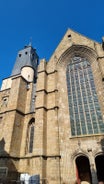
30 43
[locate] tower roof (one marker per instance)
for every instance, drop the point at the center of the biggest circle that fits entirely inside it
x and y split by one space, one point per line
25 57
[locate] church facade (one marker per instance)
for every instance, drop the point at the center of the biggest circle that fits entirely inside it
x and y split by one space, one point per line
52 115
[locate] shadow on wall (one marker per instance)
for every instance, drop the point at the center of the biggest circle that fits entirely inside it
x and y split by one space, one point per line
102 144
8 171
99 161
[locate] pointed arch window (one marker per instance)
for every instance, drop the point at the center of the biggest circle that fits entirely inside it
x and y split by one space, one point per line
30 135
84 109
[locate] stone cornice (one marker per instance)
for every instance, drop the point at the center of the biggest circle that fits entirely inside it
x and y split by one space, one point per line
100 57
29 156
47 92
47 109
47 73
18 111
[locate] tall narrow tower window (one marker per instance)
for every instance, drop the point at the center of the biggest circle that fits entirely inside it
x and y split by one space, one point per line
30 136
84 109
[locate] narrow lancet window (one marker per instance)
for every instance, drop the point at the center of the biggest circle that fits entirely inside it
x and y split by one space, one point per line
30 136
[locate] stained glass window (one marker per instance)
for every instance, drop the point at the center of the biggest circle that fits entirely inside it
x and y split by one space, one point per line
84 109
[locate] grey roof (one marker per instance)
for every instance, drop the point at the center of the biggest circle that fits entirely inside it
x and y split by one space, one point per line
25 57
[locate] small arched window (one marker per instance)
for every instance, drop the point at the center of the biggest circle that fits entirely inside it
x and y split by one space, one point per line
30 135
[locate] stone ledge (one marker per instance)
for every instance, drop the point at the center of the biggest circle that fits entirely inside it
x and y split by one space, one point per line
47 92
48 73
47 109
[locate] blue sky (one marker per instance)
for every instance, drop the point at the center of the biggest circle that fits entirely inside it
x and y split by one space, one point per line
46 21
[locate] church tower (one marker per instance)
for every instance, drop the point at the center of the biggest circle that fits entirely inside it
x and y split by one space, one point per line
17 97
52 115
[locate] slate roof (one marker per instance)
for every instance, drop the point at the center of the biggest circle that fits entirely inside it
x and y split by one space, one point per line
25 57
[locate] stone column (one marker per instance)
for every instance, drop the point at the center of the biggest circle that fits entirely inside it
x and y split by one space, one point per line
93 168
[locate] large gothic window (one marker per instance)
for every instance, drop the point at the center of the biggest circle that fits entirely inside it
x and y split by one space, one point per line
84 109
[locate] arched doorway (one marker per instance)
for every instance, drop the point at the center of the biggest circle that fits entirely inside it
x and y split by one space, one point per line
99 160
83 170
